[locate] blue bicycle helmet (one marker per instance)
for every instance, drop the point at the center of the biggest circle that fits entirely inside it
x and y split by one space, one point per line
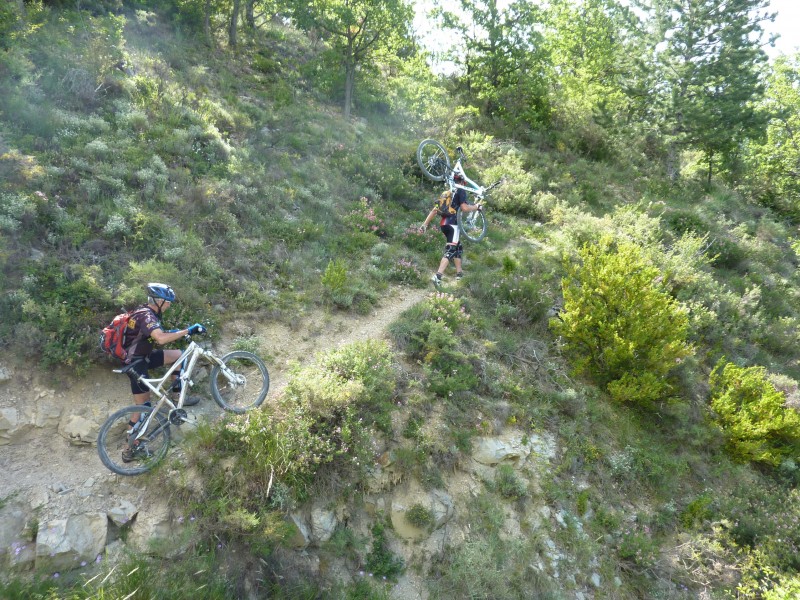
159 290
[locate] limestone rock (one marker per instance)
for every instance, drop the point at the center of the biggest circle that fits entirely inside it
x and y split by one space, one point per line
9 422
13 520
300 536
505 449
48 414
123 513
158 531
79 430
323 523
65 543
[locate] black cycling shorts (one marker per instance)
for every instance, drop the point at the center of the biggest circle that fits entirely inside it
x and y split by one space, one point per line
155 359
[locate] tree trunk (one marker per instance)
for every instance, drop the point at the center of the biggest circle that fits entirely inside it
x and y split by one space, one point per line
349 84
672 161
249 13
21 9
710 165
234 23
207 22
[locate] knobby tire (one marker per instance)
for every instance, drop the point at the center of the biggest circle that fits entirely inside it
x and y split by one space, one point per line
433 159
251 388
151 448
473 225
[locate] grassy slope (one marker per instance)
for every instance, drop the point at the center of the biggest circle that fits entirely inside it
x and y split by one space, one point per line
253 194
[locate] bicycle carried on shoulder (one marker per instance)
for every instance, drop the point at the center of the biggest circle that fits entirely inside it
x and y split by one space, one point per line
433 159
239 382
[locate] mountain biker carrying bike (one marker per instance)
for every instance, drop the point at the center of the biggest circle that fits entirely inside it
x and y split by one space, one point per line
453 250
144 329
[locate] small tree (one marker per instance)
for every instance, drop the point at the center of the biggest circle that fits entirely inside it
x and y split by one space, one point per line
620 324
356 30
757 423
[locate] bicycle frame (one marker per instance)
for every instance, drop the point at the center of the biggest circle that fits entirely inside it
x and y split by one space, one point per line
472 187
192 353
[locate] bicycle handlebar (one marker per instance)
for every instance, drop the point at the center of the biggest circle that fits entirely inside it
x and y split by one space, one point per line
494 185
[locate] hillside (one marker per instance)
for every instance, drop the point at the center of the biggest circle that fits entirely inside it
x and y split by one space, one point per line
474 443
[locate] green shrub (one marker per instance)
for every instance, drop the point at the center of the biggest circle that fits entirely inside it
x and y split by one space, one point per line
420 241
334 280
430 332
369 362
638 549
406 270
508 485
448 369
420 516
619 323
490 568
696 512
753 414
765 516
325 409
516 298
381 561
787 588
365 219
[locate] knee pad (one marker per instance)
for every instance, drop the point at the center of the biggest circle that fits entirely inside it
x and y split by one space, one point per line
451 251
459 250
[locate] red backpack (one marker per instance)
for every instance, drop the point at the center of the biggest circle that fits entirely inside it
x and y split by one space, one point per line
112 337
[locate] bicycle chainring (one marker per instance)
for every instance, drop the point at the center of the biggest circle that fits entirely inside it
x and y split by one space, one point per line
178 416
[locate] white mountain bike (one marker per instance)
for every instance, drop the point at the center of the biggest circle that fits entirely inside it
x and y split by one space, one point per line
435 163
239 382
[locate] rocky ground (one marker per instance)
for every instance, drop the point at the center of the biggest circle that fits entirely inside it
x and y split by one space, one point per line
61 510
48 425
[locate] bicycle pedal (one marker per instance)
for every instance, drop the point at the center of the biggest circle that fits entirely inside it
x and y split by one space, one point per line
178 417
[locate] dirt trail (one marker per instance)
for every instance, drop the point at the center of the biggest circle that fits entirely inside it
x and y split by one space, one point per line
65 478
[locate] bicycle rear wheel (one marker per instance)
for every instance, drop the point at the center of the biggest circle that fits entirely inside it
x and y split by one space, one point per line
144 453
473 225
242 384
432 158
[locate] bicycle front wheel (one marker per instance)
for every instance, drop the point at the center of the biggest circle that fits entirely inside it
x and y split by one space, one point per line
473 225
432 158
126 456
241 384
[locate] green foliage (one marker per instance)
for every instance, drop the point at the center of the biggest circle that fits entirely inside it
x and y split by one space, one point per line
420 516
325 409
381 561
430 333
638 548
619 323
370 362
508 485
517 296
334 280
490 568
757 423
696 512
786 588
197 574
765 517
365 219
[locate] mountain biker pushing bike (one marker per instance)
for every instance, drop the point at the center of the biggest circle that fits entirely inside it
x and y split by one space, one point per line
144 329
453 250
